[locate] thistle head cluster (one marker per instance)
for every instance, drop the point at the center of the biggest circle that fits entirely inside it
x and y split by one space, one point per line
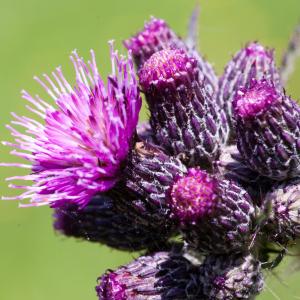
217 165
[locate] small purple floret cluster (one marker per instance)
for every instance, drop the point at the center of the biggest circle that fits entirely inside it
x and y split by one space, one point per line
208 189
193 196
249 102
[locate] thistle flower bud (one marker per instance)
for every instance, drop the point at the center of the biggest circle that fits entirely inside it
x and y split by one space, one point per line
163 275
231 277
251 62
155 36
184 116
149 174
268 131
216 215
101 221
193 196
283 210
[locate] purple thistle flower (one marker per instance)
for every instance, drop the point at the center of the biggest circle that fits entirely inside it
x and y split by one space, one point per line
216 215
80 149
164 275
184 116
231 277
251 62
268 131
156 36
101 221
282 206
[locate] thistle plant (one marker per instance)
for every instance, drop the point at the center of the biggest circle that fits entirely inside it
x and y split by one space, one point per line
207 189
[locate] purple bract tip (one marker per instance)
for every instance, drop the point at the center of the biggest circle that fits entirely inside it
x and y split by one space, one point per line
193 195
255 49
79 146
166 65
258 98
111 288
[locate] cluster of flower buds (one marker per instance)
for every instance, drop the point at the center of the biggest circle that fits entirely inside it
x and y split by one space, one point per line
217 165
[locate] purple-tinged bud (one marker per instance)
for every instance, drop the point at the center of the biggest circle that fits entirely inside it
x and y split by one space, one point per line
252 62
166 67
193 196
231 166
163 275
101 221
150 174
268 130
184 116
233 277
219 213
283 210
156 36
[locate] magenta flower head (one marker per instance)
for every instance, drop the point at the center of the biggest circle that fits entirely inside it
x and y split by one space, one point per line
163 275
79 147
216 215
184 116
248 103
268 130
193 196
252 62
155 36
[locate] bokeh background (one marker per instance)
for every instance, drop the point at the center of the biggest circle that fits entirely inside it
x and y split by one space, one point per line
36 36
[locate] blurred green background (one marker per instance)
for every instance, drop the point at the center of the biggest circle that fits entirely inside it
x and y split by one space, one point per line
36 36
